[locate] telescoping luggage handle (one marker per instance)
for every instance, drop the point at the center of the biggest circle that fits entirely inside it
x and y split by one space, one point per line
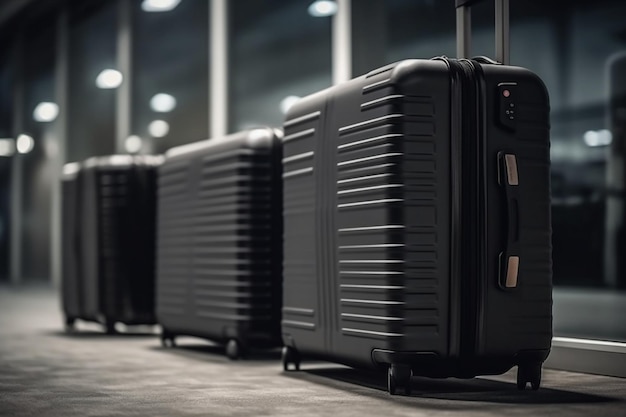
464 29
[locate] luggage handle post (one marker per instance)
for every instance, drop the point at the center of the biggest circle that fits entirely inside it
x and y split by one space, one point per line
464 31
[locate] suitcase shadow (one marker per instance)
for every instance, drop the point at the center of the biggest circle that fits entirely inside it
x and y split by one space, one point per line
476 390
94 334
217 353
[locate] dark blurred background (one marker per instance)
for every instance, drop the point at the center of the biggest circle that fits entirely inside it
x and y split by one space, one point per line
89 77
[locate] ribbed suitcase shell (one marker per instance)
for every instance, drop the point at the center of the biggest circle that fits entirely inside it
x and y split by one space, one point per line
118 195
220 240
70 264
376 206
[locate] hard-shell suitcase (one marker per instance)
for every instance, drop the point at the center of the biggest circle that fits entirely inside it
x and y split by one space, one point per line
70 244
417 221
117 240
220 241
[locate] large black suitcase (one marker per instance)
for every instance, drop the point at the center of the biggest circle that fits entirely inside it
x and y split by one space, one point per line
220 241
417 221
71 303
117 239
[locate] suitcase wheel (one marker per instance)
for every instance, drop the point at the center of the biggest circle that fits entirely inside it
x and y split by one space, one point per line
529 373
109 326
290 355
233 349
168 339
70 325
399 376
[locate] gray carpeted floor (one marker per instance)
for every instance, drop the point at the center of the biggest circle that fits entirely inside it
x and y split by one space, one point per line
44 372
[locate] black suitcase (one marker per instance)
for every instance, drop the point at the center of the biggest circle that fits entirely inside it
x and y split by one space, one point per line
220 241
417 221
117 239
70 245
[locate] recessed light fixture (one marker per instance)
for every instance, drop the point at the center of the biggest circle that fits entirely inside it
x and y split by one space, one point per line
71 168
163 103
158 128
7 147
159 5
595 138
25 143
46 112
109 78
287 102
323 8
133 144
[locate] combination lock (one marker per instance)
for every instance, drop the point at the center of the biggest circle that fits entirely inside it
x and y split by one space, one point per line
507 110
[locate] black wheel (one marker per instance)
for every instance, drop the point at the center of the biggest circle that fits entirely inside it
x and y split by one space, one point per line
399 376
521 377
529 373
535 377
290 355
109 326
233 349
70 325
391 382
167 339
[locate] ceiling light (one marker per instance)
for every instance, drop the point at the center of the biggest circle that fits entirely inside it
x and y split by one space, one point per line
159 5
7 147
46 112
25 143
287 102
594 138
323 8
133 144
158 128
163 103
109 78
71 168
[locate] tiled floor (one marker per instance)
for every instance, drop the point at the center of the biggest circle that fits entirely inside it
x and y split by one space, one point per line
44 372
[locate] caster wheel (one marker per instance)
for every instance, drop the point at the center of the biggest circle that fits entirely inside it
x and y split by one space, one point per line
529 373
290 355
70 325
391 382
168 340
109 327
233 349
399 376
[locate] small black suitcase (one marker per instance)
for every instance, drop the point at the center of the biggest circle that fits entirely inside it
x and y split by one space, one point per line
219 250
417 221
70 245
117 239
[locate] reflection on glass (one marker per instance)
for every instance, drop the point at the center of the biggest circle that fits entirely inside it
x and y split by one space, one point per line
170 103
615 239
24 143
109 78
276 50
46 112
92 49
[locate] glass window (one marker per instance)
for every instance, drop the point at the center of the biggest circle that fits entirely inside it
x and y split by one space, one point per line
6 94
389 31
171 74
579 50
92 49
5 179
277 52
5 162
38 84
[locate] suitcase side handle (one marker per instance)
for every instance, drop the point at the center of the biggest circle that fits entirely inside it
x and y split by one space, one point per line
464 29
509 180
